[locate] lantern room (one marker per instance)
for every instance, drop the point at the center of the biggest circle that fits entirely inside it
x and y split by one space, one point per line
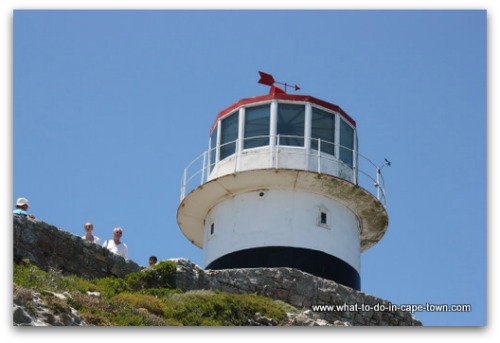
281 130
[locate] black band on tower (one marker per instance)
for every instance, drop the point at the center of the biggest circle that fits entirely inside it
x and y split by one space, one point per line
310 261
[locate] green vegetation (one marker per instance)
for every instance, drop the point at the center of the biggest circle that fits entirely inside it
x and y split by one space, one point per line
144 298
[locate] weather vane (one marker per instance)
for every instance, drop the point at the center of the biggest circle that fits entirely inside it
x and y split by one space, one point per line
268 79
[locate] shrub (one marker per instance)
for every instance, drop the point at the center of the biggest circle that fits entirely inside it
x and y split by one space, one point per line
161 275
216 308
29 275
111 286
57 306
141 301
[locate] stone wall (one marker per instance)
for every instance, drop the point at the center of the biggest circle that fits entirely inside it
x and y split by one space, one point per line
299 289
48 246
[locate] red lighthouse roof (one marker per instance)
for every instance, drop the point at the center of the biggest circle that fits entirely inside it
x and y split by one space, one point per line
277 93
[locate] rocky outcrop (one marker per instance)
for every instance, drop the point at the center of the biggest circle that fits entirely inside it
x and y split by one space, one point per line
320 302
31 310
299 289
50 247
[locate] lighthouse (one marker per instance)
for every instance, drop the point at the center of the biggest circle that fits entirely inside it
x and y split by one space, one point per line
282 184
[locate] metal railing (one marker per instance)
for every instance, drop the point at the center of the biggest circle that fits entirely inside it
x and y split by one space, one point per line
365 173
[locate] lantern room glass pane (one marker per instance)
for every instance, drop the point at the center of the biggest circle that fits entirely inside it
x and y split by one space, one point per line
228 135
257 126
346 143
291 120
323 129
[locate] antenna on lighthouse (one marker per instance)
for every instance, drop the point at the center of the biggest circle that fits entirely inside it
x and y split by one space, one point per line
268 80
386 163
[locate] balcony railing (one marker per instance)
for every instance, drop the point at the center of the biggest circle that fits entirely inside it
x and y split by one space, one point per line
362 171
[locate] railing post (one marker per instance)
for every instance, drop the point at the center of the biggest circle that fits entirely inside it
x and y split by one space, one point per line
307 135
183 184
319 156
378 184
236 155
273 130
203 167
240 139
276 151
209 162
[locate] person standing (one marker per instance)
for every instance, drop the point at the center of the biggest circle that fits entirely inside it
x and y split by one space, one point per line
22 206
116 245
89 228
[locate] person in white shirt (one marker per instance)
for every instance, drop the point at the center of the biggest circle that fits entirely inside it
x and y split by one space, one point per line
89 227
115 245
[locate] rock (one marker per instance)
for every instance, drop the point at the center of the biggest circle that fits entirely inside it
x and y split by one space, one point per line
289 285
306 318
21 317
341 323
94 294
40 314
259 320
51 248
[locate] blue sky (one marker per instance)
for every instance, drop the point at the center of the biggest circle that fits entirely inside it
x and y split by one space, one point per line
109 107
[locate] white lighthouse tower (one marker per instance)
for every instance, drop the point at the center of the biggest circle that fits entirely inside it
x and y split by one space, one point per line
283 185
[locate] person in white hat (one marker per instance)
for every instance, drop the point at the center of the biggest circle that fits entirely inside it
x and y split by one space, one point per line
22 206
